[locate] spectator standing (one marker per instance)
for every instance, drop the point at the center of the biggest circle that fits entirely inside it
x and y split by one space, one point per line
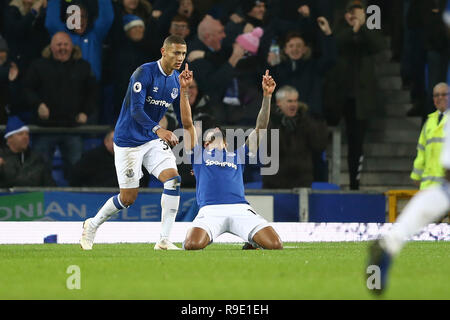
300 136
305 69
353 90
414 55
437 46
132 39
61 90
19 165
428 170
91 34
426 47
25 32
134 50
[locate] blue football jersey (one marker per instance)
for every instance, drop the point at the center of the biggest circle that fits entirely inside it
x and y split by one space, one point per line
219 175
150 93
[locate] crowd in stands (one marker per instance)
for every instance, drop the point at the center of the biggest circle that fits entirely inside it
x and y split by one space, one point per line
320 52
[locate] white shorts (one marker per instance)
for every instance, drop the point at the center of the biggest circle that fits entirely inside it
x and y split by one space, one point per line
239 219
156 156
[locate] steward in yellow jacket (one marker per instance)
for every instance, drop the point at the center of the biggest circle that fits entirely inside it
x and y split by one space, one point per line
428 169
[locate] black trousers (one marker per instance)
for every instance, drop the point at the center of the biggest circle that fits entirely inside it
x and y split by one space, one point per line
355 132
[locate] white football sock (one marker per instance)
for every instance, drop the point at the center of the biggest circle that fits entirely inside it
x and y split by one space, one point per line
170 200
427 206
112 206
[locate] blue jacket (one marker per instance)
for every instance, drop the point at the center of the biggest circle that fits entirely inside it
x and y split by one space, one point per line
90 42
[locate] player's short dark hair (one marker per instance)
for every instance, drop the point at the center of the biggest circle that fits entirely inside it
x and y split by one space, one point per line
173 39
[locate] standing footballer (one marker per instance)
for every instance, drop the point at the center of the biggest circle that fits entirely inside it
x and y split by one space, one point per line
140 141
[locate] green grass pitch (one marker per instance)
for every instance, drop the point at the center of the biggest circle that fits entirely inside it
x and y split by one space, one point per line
219 272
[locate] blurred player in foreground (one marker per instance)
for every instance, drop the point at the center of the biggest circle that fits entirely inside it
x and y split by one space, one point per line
219 179
427 206
139 140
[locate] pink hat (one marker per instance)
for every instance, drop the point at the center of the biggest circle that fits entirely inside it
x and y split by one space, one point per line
250 40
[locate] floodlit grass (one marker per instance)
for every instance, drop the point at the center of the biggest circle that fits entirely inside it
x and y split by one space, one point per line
220 272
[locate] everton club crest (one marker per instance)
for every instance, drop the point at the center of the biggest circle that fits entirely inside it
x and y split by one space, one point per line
174 93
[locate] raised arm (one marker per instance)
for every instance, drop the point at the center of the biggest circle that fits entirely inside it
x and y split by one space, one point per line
328 43
189 133
105 18
53 21
268 86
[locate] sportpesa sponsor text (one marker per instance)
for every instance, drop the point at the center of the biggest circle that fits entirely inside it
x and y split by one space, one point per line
220 163
162 103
